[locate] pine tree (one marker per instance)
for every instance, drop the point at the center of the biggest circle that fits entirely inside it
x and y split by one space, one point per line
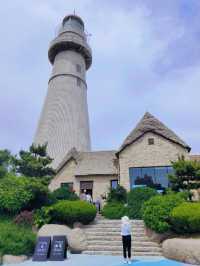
35 163
186 175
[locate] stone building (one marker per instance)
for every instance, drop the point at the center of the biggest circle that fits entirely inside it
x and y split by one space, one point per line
144 158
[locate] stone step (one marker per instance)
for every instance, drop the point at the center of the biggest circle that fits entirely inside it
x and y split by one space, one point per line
116 238
103 221
119 243
112 233
102 226
119 248
118 253
111 229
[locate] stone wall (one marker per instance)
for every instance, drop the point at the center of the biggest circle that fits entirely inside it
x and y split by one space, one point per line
140 154
65 175
101 183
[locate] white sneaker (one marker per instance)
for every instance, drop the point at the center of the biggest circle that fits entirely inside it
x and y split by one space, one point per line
125 261
129 262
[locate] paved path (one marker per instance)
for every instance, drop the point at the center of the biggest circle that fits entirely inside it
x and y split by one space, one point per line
95 260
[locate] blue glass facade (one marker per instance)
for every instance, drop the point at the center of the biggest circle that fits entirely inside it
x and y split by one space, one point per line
150 176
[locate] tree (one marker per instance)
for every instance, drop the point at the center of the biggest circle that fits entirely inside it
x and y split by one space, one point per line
6 162
35 163
118 194
186 175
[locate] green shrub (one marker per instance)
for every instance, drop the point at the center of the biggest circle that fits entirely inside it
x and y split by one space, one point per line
64 193
114 210
16 240
20 193
39 192
117 194
42 216
156 211
13 195
185 218
136 198
66 212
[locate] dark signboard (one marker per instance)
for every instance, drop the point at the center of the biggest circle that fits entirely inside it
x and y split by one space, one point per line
58 248
42 248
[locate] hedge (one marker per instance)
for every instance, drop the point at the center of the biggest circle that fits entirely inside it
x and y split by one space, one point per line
156 211
66 212
186 218
114 210
118 194
136 199
64 193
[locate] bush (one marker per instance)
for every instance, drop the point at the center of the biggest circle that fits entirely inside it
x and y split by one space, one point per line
66 212
64 193
20 193
39 192
42 216
16 240
117 194
114 210
156 211
24 218
136 198
185 218
13 195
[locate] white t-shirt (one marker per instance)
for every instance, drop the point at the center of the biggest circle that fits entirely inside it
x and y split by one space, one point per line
88 198
125 229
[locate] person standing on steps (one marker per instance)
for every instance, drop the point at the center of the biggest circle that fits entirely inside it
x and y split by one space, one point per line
126 238
83 196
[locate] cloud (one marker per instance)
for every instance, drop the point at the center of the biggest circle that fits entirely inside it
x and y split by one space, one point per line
145 57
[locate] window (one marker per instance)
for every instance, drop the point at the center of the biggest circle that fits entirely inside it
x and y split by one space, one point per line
78 82
155 177
78 68
73 23
151 141
114 183
68 185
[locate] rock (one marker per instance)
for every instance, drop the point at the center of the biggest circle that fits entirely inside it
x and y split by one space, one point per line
156 237
76 237
10 259
77 240
184 250
54 229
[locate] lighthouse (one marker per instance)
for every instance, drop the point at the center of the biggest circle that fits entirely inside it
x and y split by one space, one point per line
64 121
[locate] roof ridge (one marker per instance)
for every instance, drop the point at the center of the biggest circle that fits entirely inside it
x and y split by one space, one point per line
150 123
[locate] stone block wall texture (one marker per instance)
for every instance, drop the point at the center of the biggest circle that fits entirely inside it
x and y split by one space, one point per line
101 183
64 121
65 175
140 154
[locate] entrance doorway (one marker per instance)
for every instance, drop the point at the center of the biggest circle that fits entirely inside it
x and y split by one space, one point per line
86 186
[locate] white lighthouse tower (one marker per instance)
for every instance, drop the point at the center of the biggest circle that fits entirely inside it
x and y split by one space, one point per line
64 121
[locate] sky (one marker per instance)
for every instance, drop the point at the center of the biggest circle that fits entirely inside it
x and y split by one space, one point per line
146 57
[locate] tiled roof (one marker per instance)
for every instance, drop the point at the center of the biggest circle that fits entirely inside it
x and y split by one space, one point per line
151 124
92 163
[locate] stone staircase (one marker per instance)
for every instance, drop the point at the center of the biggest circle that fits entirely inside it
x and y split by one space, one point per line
103 238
